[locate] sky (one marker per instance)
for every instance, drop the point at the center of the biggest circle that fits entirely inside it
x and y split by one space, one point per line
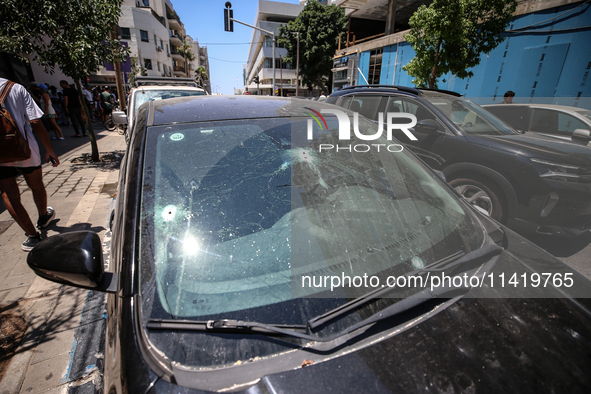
227 51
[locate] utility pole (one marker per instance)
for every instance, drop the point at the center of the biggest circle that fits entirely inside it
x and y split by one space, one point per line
229 26
298 67
281 74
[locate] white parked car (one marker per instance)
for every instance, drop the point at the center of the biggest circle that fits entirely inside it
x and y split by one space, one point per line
560 121
152 89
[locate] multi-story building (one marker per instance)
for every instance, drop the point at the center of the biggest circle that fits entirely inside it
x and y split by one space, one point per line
270 16
156 37
546 53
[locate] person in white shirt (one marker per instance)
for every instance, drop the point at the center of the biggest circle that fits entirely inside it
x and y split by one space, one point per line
27 116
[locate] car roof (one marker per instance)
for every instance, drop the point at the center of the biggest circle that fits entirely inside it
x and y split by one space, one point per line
394 89
213 108
565 108
166 87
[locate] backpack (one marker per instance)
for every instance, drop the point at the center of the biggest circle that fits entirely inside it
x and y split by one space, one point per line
13 145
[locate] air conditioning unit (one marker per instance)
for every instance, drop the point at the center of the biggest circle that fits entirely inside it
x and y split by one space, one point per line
159 49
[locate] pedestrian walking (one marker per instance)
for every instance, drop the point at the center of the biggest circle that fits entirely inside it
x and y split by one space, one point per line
49 112
26 118
107 100
73 108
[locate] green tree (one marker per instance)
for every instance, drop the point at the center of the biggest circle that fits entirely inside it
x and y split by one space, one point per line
319 27
73 35
187 51
136 69
201 75
450 36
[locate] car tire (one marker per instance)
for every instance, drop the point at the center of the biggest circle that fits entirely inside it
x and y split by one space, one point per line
481 194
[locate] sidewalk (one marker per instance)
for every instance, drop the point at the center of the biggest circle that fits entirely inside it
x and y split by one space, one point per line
82 194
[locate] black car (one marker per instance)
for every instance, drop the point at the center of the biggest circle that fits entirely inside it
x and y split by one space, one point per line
530 182
256 251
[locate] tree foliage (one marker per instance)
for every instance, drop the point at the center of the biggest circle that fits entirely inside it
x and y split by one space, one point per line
201 75
71 34
319 27
187 51
450 35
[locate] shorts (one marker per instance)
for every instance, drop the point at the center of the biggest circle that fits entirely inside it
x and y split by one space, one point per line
13 172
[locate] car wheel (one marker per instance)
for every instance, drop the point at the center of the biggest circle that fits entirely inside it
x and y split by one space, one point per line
480 195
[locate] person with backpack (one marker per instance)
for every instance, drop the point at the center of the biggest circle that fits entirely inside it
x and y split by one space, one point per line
19 154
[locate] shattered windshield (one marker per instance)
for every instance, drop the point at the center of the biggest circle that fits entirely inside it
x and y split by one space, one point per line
236 213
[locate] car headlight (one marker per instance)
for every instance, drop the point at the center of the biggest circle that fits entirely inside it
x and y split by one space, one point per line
561 171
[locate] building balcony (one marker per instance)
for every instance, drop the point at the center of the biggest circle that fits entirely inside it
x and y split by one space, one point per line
175 39
178 70
177 55
174 21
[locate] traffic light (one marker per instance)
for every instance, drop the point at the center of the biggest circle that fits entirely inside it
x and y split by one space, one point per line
228 16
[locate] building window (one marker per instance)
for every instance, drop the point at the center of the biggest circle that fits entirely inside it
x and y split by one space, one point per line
161 45
155 40
375 66
144 36
158 63
146 3
125 33
148 64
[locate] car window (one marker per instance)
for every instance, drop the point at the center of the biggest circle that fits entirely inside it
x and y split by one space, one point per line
346 101
544 120
143 96
469 117
568 123
366 106
396 104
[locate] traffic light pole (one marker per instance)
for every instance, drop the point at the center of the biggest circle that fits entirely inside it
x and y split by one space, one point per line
228 18
273 37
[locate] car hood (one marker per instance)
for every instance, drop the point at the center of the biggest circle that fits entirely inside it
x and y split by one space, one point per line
512 345
536 145
493 344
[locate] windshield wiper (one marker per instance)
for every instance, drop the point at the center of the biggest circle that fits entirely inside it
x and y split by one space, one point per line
300 331
478 256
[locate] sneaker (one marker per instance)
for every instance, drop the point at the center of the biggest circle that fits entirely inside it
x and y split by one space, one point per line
46 219
31 242
61 138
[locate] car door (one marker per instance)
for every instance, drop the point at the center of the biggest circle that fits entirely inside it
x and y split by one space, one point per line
437 149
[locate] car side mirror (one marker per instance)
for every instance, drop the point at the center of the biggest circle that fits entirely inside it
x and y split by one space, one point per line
428 126
119 117
74 259
581 136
